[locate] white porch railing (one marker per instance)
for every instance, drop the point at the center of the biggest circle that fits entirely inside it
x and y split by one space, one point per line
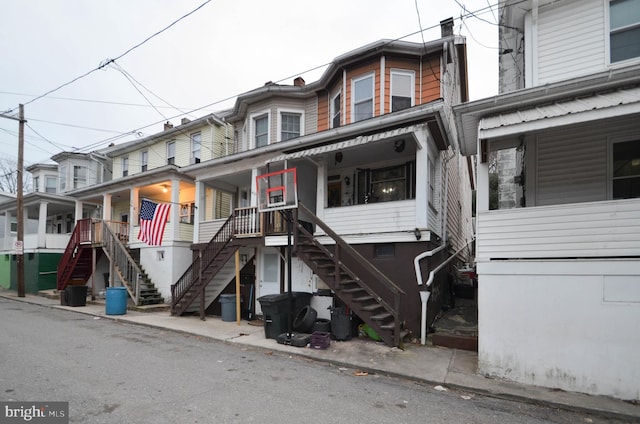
578 230
381 217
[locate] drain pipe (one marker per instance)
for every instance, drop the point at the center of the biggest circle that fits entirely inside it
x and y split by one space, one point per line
424 294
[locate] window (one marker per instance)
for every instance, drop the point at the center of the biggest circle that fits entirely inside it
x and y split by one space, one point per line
144 160
624 25
50 184
289 125
62 172
402 90
626 170
196 147
261 125
36 183
171 153
363 98
336 106
386 184
79 176
125 166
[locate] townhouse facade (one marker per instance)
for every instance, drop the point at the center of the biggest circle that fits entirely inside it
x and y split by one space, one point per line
557 208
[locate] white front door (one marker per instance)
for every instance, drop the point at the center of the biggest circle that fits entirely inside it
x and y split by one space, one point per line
269 277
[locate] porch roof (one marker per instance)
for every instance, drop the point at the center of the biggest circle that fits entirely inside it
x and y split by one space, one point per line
614 92
352 142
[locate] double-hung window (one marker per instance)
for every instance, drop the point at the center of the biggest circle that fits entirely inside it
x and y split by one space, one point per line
50 184
125 166
79 176
144 160
196 147
336 106
261 128
62 173
363 91
624 24
402 90
36 184
171 153
290 125
626 170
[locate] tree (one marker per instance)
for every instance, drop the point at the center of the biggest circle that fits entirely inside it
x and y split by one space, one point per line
9 176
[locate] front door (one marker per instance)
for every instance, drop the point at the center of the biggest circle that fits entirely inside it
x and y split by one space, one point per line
269 278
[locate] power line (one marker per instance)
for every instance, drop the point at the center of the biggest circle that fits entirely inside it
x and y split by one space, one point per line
108 61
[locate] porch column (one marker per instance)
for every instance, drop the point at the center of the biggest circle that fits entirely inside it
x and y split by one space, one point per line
134 218
200 207
254 193
175 210
106 207
78 211
422 179
321 197
482 196
42 225
7 230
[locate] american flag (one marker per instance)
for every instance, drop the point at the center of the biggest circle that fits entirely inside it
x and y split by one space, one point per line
153 218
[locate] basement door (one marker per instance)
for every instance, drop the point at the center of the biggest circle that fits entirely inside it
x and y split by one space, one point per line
269 278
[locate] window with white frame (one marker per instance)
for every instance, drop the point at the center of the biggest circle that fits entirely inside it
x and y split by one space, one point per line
386 184
624 24
50 184
336 107
432 183
36 183
125 166
196 147
363 91
62 173
171 153
626 170
261 130
402 89
79 176
289 125
144 160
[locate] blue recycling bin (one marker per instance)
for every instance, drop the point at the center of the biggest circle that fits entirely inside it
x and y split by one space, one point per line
116 301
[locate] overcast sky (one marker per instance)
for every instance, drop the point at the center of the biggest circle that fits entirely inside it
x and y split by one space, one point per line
225 48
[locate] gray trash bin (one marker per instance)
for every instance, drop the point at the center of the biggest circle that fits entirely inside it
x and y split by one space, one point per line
228 307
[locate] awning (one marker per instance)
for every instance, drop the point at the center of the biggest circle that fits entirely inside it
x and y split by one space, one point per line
349 143
568 112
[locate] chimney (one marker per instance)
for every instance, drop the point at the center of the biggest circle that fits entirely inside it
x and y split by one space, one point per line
185 121
446 27
298 82
168 125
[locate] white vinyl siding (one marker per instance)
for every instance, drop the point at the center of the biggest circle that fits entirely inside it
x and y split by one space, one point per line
570 40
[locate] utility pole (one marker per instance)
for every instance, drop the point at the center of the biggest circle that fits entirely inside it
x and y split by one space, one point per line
20 205
19 246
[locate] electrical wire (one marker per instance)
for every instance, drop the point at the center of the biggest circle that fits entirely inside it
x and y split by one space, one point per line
120 56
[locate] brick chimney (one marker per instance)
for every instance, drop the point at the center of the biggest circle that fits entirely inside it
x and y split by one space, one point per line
298 82
168 125
446 27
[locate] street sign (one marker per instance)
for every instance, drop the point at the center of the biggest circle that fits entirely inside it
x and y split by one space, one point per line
19 247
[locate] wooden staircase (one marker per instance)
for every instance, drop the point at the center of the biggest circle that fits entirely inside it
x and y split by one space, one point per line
360 285
193 283
76 264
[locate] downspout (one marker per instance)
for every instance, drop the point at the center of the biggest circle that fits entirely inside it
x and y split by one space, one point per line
424 294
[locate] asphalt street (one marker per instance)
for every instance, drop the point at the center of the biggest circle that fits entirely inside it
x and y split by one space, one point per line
114 372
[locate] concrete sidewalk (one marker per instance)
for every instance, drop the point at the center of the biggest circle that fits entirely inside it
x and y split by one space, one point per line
436 366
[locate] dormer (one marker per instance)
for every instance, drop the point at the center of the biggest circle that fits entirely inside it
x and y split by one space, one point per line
44 177
77 170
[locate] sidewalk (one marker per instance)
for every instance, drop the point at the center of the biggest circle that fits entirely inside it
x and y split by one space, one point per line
435 366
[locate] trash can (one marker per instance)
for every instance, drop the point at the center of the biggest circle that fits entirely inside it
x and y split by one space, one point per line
340 324
228 307
116 303
76 295
275 314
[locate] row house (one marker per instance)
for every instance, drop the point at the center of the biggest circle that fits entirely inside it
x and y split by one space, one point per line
558 203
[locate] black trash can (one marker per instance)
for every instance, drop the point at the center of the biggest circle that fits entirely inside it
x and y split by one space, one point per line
76 295
275 308
340 324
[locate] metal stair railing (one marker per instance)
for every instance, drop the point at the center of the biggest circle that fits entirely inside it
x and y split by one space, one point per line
127 268
81 234
191 276
367 271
